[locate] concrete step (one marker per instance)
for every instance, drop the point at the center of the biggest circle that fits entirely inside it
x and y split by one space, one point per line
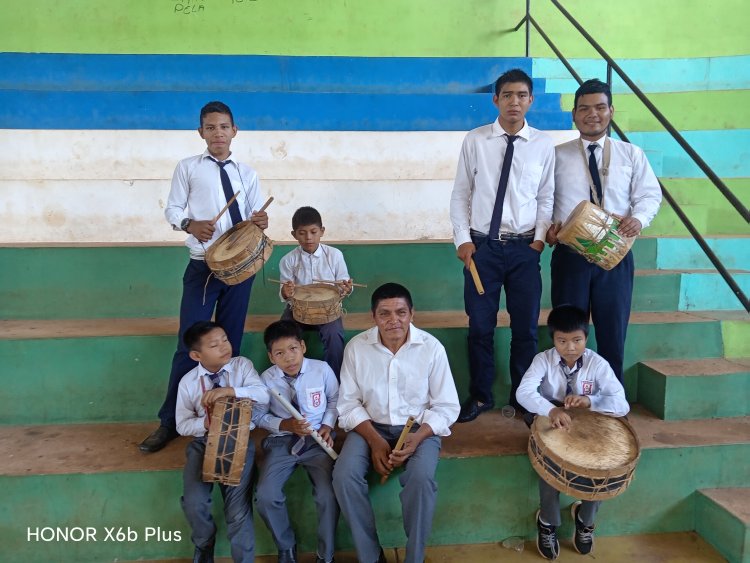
723 519
93 476
702 388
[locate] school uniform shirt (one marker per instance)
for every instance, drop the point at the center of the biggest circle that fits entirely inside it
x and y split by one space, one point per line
529 198
387 388
547 380
314 392
197 194
239 374
630 188
326 263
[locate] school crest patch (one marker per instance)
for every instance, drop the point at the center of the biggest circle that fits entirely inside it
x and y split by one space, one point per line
587 387
315 399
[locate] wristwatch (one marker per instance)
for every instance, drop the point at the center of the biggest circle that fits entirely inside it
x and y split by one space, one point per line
185 223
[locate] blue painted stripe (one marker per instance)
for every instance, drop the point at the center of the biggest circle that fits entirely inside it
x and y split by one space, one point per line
652 75
684 253
709 292
264 111
170 73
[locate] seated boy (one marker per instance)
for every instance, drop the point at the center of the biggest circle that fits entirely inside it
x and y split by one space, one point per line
217 375
566 376
311 261
311 387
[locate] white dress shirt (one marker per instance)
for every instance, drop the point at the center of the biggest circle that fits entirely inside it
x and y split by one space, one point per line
387 388
197 194
326 263
546 381
631 187
315 392
529 198
239 374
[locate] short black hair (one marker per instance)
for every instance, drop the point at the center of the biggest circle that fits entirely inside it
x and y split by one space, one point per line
593 86
513 75
567 318
306 216
390 290
216 107
193 335
281 329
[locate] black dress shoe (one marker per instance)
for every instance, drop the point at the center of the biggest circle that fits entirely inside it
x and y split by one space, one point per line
158 439
288 555
205 555
319 559
472 409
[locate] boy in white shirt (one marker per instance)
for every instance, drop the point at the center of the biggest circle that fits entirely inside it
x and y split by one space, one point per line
217 375
310 386
568 376
312 261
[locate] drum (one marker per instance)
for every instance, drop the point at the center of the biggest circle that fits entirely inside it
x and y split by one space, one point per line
594 460
592 232
228 438
239 253
316 304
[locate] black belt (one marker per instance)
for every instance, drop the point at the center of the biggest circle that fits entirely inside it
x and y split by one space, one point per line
528 235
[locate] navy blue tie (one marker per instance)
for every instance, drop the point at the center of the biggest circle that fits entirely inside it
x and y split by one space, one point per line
226 184
502 187
215 378
594 169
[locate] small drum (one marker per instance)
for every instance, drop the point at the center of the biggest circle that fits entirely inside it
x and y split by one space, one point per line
228 438
316 304
239 253
592 232
594 460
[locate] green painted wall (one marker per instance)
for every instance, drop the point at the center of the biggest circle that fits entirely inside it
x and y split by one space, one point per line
452 28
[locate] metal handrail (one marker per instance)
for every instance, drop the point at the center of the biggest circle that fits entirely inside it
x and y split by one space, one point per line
736 289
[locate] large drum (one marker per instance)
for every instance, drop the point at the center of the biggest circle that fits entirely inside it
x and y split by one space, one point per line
594 460
592 232
228 438
239 253
316 304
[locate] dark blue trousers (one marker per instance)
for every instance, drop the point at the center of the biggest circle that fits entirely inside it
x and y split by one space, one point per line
514 265
230 302
605 294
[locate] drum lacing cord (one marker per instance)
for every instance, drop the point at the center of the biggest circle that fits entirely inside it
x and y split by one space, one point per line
238 268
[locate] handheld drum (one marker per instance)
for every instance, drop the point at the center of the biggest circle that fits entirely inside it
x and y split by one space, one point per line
594 460
316 303
228 438
592 233
239 253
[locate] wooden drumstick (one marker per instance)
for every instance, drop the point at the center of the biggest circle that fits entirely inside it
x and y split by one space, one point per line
276 281
265 205
334 282
400 443
230 202
475 275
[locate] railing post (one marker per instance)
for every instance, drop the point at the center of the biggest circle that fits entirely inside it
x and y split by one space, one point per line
609 84
528 28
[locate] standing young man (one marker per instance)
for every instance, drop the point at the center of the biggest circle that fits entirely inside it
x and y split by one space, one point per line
501 208
621 178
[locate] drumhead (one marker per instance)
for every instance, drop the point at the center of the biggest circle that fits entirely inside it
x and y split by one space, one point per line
594 441
235 241
316 292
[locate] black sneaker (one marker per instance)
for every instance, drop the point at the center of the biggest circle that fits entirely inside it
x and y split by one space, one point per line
583 538
546 540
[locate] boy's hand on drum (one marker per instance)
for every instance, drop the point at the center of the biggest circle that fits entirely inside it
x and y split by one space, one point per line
559 418
574 401
325 432
630 227
260 219
345 286
287 290
465 252
298 427
552 234
210 396
379 453
202 230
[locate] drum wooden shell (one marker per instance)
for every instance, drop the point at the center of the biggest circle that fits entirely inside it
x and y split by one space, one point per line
595 460
316 303
592 232
239 253
228 438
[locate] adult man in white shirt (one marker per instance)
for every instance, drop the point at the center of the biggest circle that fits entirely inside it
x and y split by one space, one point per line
391 372
501 208
629 188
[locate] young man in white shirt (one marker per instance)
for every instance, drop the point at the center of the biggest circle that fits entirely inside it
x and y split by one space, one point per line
501 208
625 186
391 372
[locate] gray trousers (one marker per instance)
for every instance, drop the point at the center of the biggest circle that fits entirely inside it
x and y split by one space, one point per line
238 507
418 494
549 500
275 471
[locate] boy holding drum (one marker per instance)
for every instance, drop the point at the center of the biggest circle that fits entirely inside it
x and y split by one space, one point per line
312 261
568 376
218 374
310 387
